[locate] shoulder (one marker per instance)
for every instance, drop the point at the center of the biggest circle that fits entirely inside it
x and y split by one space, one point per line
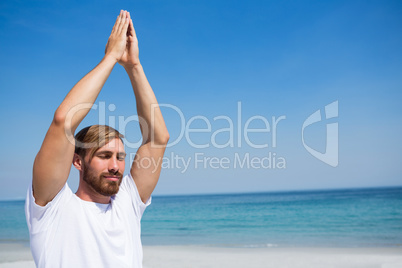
128 192
64 193
38 216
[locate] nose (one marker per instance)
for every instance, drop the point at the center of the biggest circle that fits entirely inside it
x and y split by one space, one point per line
113 165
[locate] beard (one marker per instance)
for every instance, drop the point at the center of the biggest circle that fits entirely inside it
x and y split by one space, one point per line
100 184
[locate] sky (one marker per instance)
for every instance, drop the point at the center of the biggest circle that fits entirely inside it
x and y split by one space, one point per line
257 95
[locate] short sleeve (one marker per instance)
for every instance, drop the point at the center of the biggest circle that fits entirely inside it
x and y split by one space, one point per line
39 218
130 188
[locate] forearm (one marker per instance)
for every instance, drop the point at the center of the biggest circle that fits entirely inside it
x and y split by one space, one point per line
147 107
79 100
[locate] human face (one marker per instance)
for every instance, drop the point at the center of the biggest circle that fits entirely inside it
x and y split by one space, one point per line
104 172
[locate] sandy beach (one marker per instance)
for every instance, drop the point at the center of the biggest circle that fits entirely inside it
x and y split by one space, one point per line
19 256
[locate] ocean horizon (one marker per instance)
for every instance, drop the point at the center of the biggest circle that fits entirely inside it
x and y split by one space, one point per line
356 217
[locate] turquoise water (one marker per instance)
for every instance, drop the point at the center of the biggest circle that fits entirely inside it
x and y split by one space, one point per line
342 218
337 218
13 227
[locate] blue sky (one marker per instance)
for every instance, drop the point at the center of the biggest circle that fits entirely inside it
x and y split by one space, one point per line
277 58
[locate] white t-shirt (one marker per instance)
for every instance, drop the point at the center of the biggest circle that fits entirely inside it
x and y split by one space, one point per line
71 233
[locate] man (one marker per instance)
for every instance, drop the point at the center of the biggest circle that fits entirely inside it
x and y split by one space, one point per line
99 225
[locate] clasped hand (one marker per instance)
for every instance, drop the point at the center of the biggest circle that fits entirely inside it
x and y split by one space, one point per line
123 44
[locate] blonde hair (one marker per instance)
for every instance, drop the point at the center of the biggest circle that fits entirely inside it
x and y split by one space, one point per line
91 138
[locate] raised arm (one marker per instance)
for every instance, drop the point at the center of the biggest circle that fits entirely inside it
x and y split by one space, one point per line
53 162
154 132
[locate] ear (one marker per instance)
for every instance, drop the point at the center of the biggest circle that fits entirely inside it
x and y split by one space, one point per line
77 162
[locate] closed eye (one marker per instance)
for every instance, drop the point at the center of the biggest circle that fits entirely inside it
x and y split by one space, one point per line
108 155
104 156
121 157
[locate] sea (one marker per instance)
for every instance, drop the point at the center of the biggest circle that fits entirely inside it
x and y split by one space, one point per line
369 217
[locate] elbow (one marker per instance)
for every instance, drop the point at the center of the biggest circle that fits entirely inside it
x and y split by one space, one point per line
166 138
59 118
162 139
